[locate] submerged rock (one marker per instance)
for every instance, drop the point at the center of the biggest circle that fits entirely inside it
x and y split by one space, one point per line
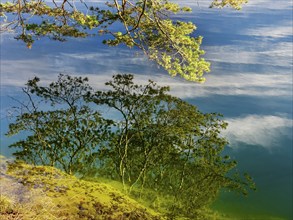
40 192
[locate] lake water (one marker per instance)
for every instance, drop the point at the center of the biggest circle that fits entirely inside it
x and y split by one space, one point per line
250 83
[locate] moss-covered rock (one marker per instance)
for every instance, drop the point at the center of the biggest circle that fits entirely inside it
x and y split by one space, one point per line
40 192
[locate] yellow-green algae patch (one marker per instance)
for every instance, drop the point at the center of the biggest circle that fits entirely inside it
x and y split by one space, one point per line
47 193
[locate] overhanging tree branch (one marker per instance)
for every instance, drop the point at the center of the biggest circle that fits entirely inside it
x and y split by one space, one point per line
146 24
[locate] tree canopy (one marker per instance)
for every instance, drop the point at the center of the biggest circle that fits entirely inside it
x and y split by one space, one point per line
155 141
146 24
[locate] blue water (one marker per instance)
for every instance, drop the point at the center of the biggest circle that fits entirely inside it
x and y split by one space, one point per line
250 83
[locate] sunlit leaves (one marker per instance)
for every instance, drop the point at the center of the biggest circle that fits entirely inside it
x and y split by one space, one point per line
237 4
146 24
55 22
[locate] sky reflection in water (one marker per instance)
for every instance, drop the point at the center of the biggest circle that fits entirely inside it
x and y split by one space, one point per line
250 83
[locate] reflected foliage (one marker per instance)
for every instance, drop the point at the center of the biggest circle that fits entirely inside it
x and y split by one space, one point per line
156 141
65 136
149 25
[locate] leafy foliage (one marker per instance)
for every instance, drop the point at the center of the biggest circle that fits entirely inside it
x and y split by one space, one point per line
166 144
146 24
65 136
157 141
233 3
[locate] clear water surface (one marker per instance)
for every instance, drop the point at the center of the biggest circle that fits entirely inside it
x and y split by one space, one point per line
250 83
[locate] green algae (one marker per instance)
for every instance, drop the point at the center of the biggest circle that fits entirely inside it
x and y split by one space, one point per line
46 193
72 198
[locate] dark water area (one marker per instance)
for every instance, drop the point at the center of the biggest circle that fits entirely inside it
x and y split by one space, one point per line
250 84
